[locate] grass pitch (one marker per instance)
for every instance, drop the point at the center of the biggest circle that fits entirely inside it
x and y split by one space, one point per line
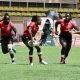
53 71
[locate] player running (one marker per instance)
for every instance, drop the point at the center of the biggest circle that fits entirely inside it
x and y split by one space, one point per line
7 29
65 36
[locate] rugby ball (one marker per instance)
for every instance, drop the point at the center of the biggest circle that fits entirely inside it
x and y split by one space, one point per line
35 43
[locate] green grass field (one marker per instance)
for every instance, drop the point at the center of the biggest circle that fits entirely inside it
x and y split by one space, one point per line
53 71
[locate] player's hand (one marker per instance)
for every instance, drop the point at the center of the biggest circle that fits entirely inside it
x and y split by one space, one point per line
14 35
31 42
52 32
56 32
72 32
76 32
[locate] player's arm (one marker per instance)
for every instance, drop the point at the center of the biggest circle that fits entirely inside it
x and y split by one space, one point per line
30 32
77 30
14 29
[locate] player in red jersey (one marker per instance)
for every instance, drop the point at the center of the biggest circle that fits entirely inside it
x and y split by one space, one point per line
7 29
29 35
65 36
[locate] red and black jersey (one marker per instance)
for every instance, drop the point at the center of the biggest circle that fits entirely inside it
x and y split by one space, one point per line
65 27
6 30
34 28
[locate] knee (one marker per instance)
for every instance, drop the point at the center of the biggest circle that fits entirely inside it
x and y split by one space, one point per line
10 46
64 45
38 50
5 52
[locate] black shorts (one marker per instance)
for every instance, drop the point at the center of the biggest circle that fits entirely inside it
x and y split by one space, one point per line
66 35
5 40
25 39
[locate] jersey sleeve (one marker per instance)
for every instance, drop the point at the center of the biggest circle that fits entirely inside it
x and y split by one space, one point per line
59 21
32 24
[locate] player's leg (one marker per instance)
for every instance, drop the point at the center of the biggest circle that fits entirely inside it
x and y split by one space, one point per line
69 43
31 55
4 46
25 41
10 49
40 55
63 50
43 39
14 48
11 52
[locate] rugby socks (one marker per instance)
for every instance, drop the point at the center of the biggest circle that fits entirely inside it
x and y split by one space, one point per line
12 57
30 58
62 59
40 56
12 60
